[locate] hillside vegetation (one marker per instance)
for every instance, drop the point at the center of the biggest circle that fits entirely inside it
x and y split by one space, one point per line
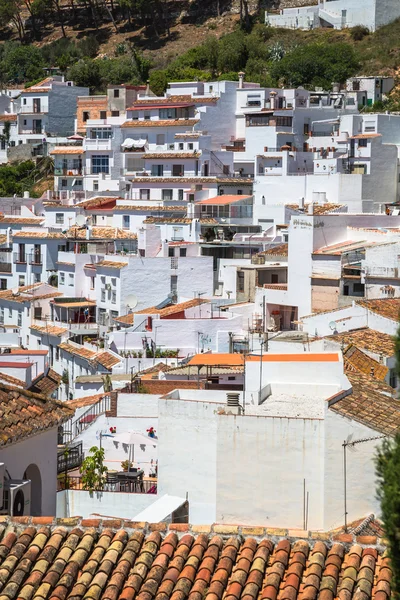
129 41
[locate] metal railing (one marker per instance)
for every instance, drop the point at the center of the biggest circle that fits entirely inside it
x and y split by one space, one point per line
36 259
69 458
20 257
72 482
5 267
73 428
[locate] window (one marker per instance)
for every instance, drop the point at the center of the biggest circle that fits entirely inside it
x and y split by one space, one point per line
166 194
393 378
19 318
103 114
95 185
92 282
113 297
146 115
100 164
10 313
57 353
70 279
36 278
125 221
2 315
171 251
101 133
37 312
190 146
181 146
144 194
274 278
116 93
174 262
363 143
103 279
240 281
24 101
21 280
64 182
358 288
115 113
174 284
160 139
167 113
178 170
3 284
182 251
284 121
180 195
114 314
103 295
60 218
157 170
85 116
62 278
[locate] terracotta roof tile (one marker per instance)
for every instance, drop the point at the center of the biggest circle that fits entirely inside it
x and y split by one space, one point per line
107 360
167 155
277 250
366 339
84 401
150 208
8 379
80 351
371 403
161 123
364 363
172 309
386 307
111 264
8 117
49 329
184 220
68 150
21 220
46 384
318 209
24 413
101 233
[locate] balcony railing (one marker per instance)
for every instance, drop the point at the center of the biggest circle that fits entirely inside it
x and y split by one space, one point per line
147 485
19 257
68 172
69 458
35 130
5 267
35 259
73 428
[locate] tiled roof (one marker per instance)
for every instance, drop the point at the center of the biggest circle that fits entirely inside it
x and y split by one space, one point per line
224 199
47 384
194 371
365 136
101 233
150 208
166 155
364 363
367 339
318 209
173 309
385 307
173 99
127 319
105 560
49 329
80 351
97 201
68 150
107 360
111 264
8 379
41 86
9 118
84 401
184 220
26 293
23 414
21 220
67 303
38 234
343 247
168 123
372 403
278 250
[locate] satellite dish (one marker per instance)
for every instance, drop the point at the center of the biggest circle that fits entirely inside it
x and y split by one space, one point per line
80 220
332 325
131 301
15 291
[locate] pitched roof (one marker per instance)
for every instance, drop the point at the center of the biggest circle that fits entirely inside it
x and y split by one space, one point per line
46 384
97 201
277 250
8 117
173 309
39 234
184 220
318 209
150 208
371 403
80 351
366 339
24 414
107 360
49 329
21 220
159 123
364 363
110 264
224 199
167 155
68 150
8 379
385 307
101 233
113 562
85 400
28 293
174 98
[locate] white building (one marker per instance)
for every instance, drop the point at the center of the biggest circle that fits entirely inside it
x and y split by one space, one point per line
338 14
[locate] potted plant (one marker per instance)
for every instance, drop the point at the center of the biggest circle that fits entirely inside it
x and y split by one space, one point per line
93 470
113 429
126 465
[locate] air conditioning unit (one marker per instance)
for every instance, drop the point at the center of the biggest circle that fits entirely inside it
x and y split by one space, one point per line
17 497
2 469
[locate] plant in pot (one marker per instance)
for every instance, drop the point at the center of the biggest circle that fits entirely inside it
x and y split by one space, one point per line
151 432
126 465
93 470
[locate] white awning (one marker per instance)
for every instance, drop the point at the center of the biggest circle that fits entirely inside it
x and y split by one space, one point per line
131 143
327 121
160 509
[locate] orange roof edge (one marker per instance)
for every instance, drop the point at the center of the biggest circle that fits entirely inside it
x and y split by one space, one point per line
237 359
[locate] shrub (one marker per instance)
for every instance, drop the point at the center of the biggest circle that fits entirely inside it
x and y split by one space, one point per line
359 32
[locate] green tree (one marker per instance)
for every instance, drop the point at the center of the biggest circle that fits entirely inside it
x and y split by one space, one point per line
388 471
158 82
22 63
93 470
10 11
86 73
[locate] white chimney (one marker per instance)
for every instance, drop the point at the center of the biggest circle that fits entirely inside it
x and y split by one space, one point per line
241 79
26 194
273 99
9 230
301 203
88 232
311 208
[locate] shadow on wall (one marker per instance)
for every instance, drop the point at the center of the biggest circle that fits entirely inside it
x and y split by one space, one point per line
33 473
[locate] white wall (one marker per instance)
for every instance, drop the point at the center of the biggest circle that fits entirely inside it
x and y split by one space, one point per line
121 505
41 450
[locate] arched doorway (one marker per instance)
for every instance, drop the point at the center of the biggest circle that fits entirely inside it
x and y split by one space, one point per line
33 473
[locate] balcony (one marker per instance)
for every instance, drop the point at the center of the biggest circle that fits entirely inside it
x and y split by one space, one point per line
97 144
20 258
5 267
115 482
69 458
68 172
36 259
